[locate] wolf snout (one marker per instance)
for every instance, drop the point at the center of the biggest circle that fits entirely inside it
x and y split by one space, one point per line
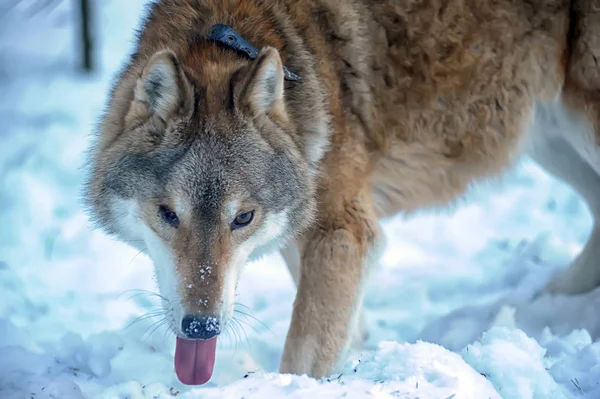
200 327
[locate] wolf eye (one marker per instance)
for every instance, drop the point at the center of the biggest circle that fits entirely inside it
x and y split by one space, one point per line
168 216
242 220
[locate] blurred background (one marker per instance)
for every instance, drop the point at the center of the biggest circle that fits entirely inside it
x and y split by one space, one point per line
71 297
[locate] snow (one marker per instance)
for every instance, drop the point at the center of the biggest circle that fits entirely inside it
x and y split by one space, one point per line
452 310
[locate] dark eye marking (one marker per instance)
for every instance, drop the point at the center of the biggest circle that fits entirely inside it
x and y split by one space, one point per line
168 216
242 220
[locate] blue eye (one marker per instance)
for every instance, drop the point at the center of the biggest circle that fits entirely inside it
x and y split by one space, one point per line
242 220
168 216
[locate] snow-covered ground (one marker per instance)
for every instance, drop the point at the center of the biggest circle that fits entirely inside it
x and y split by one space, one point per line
449 310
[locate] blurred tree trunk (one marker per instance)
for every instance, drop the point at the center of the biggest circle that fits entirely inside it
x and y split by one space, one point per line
87 47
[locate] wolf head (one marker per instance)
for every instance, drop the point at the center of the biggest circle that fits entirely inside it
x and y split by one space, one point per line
205 172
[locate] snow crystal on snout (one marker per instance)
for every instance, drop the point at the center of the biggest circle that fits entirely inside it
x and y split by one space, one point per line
203 302
212 324
205 271
209 323
194 327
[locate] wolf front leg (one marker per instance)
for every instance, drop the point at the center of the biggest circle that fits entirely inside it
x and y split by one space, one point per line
336 257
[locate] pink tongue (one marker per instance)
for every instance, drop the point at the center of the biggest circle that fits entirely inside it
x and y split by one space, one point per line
195 360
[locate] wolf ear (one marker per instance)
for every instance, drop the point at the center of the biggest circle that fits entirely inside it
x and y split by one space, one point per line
163 88
263 91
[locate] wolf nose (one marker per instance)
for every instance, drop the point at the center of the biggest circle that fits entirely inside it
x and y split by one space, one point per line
200 327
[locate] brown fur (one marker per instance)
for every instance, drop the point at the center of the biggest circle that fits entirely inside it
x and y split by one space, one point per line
418 100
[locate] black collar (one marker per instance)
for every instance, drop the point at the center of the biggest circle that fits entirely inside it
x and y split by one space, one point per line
230 38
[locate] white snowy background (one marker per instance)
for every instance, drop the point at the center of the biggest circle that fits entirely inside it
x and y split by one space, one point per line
449 309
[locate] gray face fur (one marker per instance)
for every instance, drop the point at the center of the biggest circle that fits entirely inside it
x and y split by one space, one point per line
207 169
214 168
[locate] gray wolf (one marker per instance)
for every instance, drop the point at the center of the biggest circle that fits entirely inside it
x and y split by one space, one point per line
207 158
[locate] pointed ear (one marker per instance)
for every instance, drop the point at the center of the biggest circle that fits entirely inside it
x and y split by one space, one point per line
263 90
163 89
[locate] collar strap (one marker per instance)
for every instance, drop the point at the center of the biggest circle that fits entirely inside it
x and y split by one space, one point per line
230 38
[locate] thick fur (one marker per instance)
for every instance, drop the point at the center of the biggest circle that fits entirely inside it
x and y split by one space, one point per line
402 106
